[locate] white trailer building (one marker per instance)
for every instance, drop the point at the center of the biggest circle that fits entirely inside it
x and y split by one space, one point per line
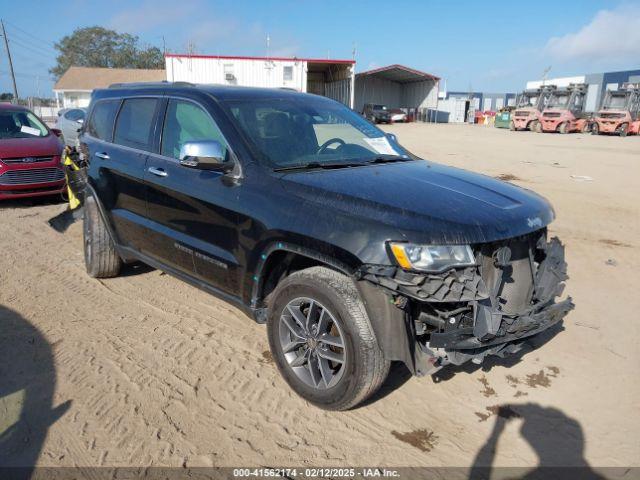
331 78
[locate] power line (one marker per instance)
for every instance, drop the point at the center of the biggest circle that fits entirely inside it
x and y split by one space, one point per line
29 43
32 50
49 42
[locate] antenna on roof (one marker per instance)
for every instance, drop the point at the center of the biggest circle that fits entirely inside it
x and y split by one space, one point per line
268 42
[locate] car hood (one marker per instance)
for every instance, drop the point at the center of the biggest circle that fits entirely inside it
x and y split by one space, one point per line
30 147
423 201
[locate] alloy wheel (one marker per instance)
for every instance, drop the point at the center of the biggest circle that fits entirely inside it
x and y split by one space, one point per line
312 342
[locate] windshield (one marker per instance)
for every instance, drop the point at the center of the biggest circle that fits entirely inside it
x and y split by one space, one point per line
287 132
21 124
615 102
527 100
559 100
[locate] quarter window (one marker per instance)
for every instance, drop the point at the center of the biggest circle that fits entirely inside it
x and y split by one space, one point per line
101 122
134 127
187 122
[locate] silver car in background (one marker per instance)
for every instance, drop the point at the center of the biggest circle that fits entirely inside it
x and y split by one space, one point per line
70 121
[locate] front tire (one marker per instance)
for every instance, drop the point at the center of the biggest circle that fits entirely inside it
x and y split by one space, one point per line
322 341
100 256
595 129
624 129
563 128
512 126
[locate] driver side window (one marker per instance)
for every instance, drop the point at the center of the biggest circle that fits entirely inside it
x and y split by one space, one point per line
187 122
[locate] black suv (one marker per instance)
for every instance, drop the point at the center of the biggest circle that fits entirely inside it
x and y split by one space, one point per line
377 113
354 252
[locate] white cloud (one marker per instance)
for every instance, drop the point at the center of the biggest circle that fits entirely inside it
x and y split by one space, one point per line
612 35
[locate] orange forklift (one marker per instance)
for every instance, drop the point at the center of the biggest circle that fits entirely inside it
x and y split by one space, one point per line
620 112
565 111
529 107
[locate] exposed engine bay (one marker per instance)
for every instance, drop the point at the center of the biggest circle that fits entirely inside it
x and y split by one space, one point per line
468 313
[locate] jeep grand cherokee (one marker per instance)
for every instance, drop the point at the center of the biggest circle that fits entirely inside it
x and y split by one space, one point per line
353 251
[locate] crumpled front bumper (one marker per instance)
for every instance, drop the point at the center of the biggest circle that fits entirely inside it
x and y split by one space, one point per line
482 323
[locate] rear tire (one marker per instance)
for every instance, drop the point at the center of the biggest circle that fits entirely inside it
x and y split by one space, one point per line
512 126
538 127
595 129
100 256
297 345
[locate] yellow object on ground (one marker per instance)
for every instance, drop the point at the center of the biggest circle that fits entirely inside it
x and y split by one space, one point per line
67 161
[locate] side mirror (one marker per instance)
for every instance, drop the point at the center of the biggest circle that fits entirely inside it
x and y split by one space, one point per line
56 131
204 155
80 121
392 137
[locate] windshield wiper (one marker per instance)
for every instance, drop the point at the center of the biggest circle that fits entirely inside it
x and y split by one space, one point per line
388 159
312 165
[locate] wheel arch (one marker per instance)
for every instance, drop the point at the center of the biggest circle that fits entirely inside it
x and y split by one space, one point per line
278 259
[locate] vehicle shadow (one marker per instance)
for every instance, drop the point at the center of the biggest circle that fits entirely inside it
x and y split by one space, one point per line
135 268
29 202
529 345
399 374
557 440
27 385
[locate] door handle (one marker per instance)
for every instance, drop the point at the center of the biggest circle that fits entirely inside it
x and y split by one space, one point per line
103 155
157 171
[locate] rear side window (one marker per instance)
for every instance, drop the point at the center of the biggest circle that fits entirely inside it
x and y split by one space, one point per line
101 122
134 127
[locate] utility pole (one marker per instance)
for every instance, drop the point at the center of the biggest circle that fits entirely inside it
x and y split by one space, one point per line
13 75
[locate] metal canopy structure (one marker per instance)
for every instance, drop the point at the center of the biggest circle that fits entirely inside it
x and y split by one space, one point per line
399 74
397 86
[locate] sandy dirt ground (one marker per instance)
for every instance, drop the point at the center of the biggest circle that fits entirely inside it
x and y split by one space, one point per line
145 370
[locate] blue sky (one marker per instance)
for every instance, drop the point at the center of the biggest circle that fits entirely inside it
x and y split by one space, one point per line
488 46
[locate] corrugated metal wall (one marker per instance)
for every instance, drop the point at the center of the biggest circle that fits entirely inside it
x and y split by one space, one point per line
339 90
393 94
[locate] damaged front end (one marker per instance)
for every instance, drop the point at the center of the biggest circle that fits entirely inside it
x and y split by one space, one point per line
431 320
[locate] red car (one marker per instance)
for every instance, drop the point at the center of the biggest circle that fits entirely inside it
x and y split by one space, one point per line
30 155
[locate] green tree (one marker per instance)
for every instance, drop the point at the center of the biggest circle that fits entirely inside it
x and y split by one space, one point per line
100 47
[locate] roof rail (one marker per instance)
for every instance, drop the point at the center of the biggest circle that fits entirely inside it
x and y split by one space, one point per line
163 83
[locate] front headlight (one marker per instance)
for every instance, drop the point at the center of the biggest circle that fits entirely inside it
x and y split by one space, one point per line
432 258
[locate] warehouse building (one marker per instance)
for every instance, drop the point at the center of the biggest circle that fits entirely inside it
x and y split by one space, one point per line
597 84
397 86
330 78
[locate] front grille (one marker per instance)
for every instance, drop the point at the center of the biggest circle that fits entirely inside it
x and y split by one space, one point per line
522 113
21 160
31 176
512 283
552 114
